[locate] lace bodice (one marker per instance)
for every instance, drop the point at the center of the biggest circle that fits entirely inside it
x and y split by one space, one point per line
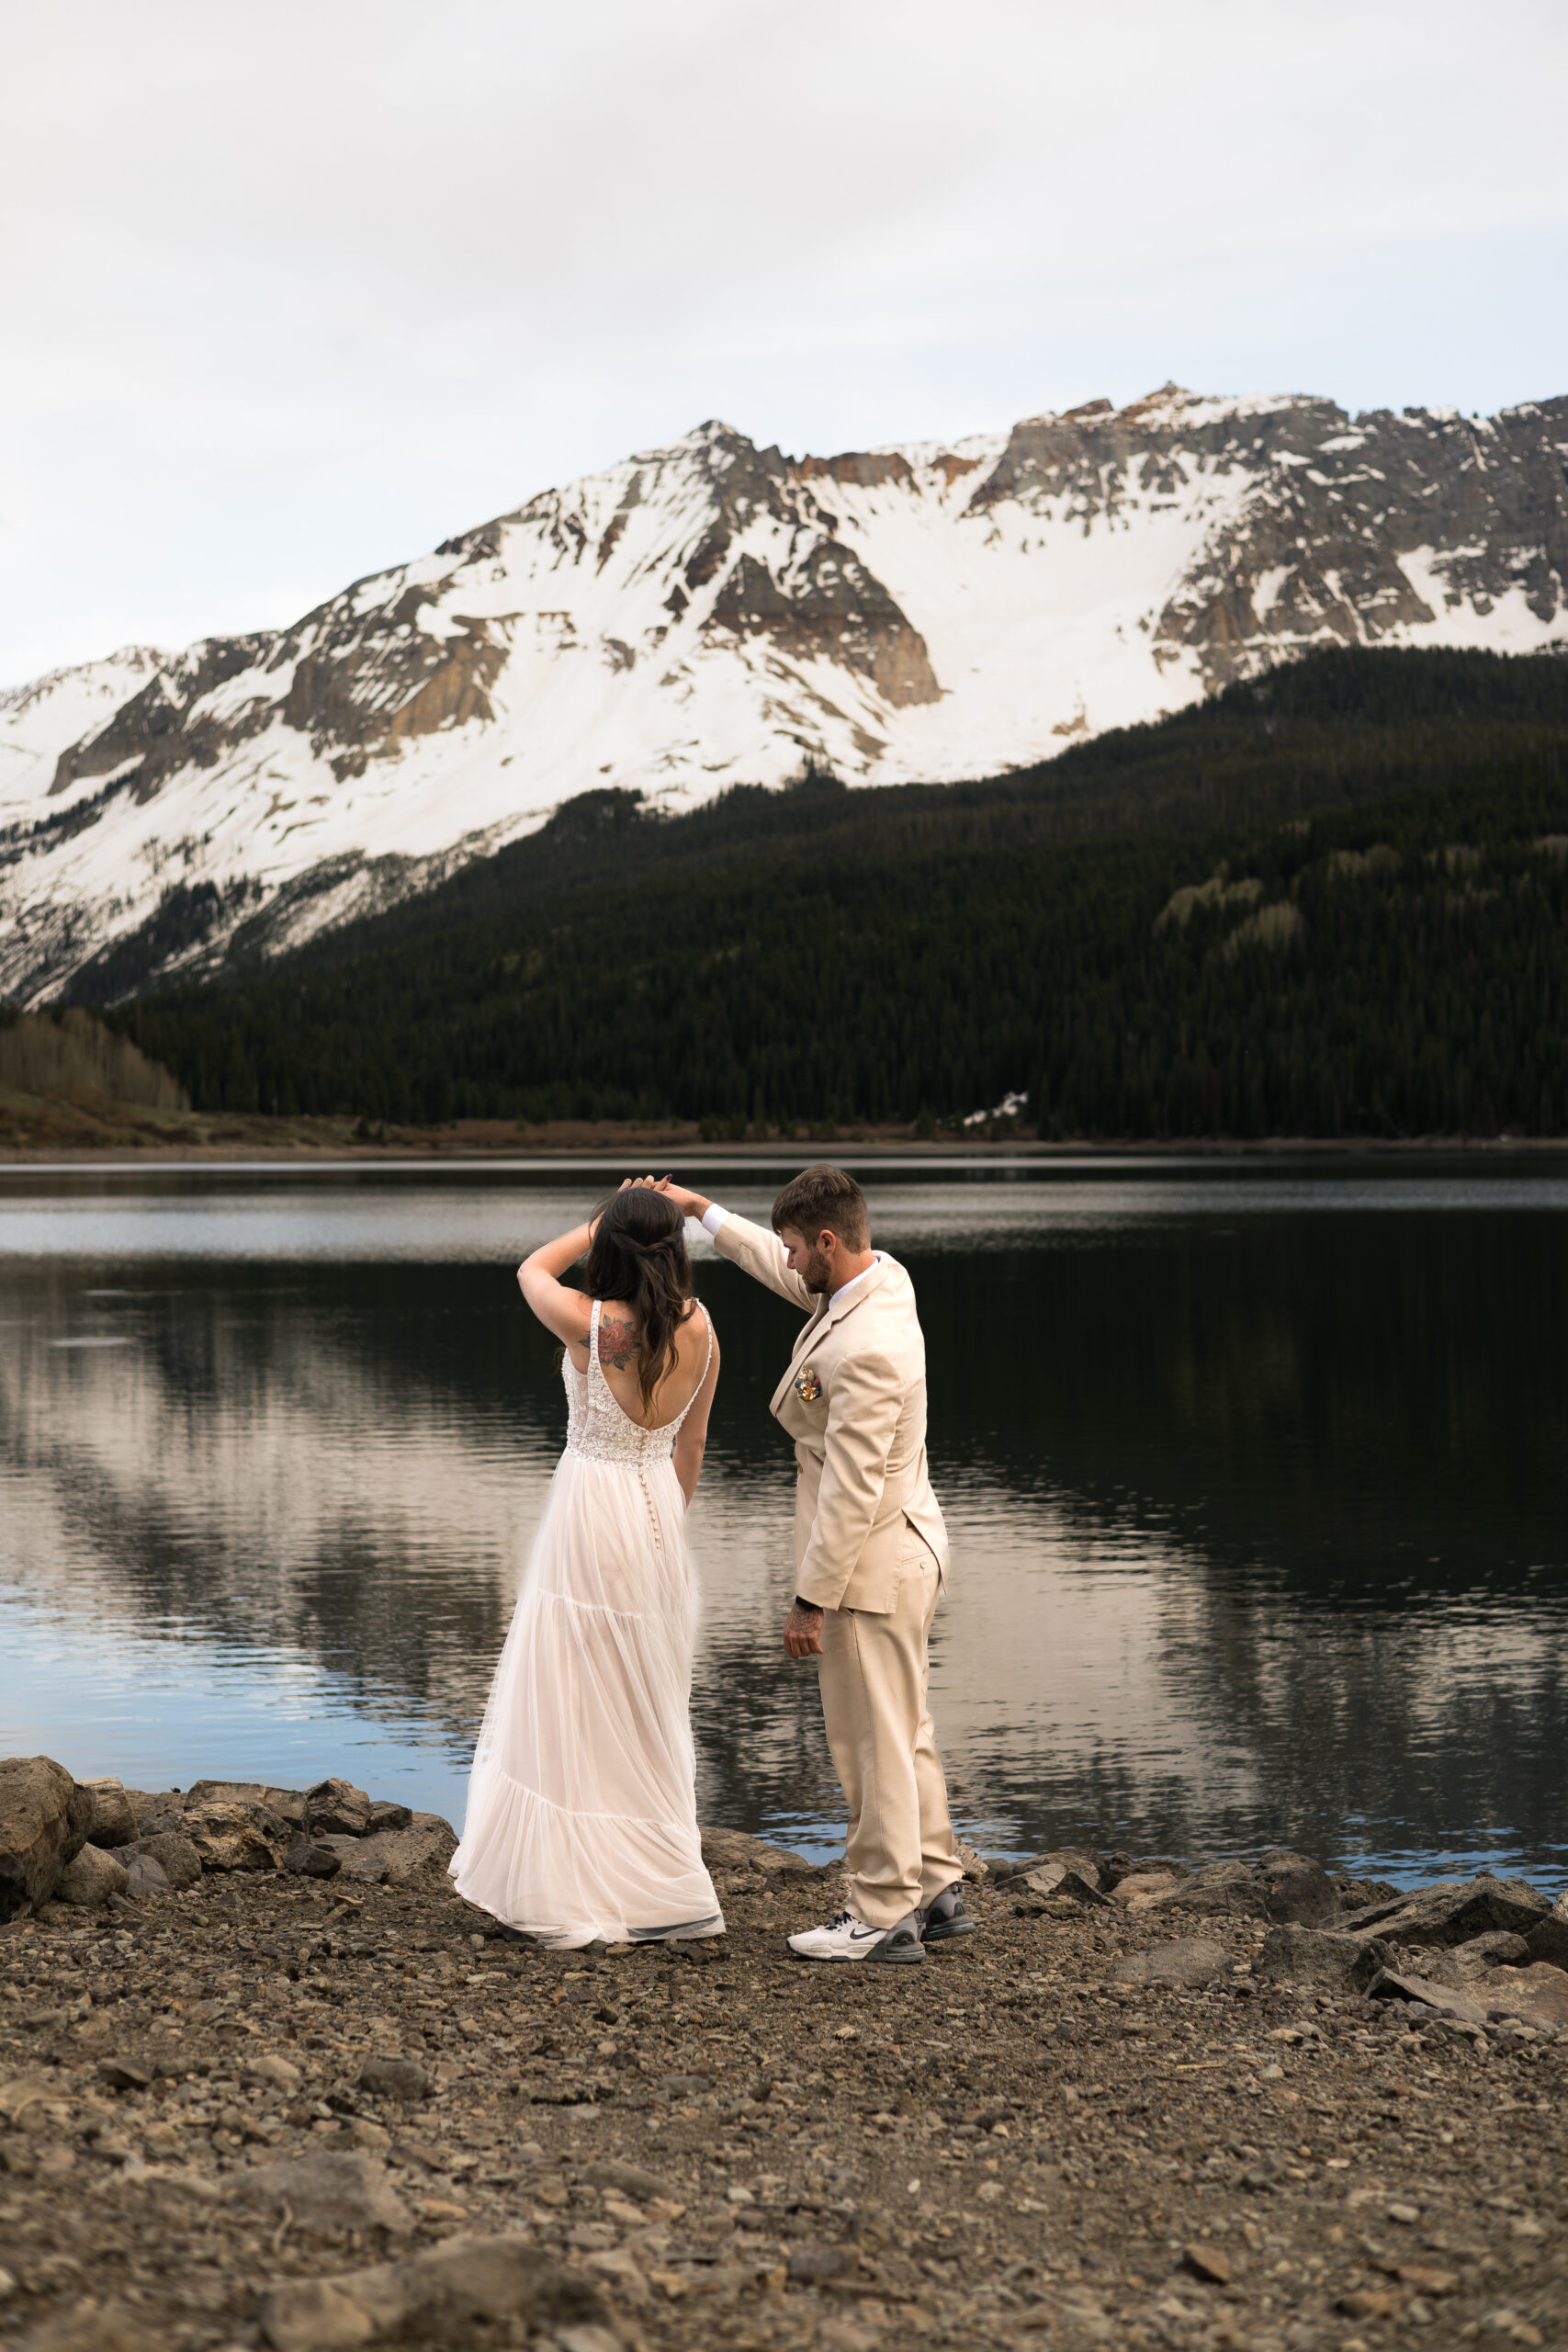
599 1426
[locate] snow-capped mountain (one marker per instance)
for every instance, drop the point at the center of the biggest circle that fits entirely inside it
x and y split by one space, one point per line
710 613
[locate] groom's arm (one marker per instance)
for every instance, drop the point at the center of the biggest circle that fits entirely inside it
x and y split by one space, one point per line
751 1247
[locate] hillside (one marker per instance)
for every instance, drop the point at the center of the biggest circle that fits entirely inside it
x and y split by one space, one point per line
712 612
1333 901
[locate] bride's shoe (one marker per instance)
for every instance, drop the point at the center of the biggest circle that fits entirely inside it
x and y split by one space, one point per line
713 1924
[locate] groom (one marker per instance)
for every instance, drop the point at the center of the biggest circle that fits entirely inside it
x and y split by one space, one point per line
871 1554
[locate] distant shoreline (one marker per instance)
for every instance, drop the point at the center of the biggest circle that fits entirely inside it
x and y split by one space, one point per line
475 1144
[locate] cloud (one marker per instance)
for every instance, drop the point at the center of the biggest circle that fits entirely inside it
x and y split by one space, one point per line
288 293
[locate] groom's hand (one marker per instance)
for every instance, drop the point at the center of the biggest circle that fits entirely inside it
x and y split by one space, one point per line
803 1630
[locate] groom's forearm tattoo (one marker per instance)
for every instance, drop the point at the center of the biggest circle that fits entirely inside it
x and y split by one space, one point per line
618 1342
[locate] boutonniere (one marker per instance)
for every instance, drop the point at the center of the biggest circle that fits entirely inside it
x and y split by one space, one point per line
807 1387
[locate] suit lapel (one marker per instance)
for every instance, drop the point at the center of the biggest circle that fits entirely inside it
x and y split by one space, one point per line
823 1321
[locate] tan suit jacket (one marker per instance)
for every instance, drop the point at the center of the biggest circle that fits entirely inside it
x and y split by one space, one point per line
854 1401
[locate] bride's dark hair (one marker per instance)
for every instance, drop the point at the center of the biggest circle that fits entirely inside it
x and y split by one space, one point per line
638 1254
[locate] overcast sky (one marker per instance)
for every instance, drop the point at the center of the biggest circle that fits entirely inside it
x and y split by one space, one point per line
290 291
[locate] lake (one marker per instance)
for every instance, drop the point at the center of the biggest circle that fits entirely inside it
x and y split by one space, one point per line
1255 1473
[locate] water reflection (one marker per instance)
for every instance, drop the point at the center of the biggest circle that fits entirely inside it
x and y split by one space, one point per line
1256 1484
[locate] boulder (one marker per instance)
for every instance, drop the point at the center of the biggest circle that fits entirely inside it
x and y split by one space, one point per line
731 1850
1046 1878
387 2077
1340 1962
44 1821
1452 1911
114 1815
399 1855
384 1814
335 1809
974 1864
363 1858
313 1856
1140 1888
451 2292
1390 1984
286 1802
1490 1950
1548 1939
90 1878
1538 1996
175 1856
1298 1892
1222 1889
145 1875
1189 1960
328 2191
236 1837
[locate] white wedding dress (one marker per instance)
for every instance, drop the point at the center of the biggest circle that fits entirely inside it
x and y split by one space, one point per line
582 1808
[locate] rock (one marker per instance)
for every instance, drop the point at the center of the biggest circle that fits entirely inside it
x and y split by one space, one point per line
399 1855
1207 2262
336 1809
313 1856
1358 1894
236 1837
974 1865
90 1878
1190 1960
350 2191
435 2296
1136 1889
811 2266
124 2075
270 2068
630 2179
1053 1874
286 1804
145 1875
364 1859
1537 1994
731 1850
175 1856
1548 1939
1453 1911
402 2078
44 1821
1222 1889
1345 1964
114 1816
1390 1985
384 1814
94 2328
1299 1891
1488 1952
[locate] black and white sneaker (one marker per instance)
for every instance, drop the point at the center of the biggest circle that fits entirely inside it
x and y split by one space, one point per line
847 1938
944 1916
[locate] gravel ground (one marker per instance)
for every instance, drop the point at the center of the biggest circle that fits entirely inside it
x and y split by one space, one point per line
716 2144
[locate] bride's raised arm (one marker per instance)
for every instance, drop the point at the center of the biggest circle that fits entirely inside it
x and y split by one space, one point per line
559 1308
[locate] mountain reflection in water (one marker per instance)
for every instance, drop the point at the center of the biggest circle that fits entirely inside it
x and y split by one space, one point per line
1255 1479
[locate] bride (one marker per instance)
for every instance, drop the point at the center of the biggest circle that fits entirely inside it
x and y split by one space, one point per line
582 1817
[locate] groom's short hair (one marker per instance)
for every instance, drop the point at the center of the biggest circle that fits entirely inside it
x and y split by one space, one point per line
824 1196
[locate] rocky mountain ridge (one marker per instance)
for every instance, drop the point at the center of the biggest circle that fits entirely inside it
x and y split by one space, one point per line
712 612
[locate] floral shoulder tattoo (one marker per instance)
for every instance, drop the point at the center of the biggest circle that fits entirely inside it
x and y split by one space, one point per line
618 1342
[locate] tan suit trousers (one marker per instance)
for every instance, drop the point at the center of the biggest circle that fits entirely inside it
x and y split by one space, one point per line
899 1853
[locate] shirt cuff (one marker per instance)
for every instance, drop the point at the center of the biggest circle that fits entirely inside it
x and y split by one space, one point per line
713 1217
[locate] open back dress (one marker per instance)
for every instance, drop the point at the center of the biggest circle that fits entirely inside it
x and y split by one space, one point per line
581 1818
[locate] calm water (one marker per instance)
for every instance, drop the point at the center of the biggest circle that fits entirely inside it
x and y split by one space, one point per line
1255 1479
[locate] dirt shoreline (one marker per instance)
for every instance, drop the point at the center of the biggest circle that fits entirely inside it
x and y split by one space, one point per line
1123 2121
36 1131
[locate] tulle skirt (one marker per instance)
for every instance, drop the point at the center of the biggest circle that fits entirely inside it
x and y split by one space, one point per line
583 1815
